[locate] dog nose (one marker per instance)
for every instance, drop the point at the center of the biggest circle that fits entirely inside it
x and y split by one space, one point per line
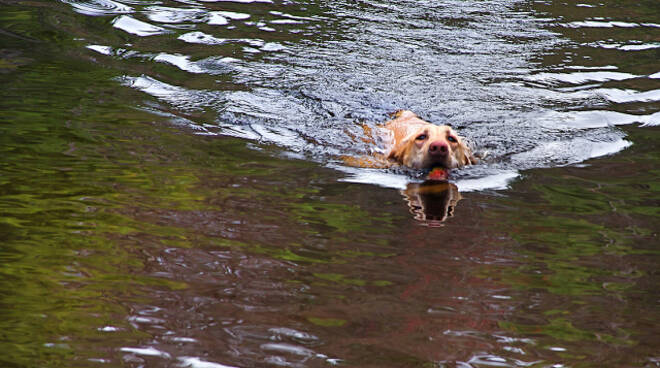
438 148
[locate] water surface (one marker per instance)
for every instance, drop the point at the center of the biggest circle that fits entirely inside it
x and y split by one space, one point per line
171 194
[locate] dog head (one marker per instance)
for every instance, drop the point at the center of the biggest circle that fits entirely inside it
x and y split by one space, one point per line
427 145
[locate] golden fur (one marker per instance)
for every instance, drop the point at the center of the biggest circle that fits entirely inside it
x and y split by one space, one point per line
417 144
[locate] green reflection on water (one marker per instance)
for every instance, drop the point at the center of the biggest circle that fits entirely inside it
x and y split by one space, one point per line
562 329
88 185
580 224
343 280
342 218
327 322
586 240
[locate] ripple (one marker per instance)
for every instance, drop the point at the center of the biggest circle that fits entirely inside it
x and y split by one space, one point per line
273 46
296 335
109 329
628 47
163 14
182 339
607 24
491 360
147 320
131 25
286 21
180 61
238 1
594 119
627 96
211 65
193 362
153 87
150 351
373 176
98 7
234 15
105 50
202 38
216 19
580 77
498 181
288 349
567 152
290 16
179 97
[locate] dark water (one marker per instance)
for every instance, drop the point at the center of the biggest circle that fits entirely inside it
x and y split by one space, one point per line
171 194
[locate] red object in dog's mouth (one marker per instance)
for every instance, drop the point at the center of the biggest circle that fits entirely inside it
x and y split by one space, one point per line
439 174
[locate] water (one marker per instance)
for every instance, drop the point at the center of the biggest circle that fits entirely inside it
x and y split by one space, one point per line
304 82
171 192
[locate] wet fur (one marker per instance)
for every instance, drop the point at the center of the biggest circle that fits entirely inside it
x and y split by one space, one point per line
414 143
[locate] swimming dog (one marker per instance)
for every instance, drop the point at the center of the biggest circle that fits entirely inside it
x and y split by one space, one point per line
415 143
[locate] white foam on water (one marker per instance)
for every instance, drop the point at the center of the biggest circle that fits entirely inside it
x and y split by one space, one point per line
137 27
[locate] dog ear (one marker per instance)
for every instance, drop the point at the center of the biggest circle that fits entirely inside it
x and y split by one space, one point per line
396 153
400 151
395 114
470 158
399 113
466 152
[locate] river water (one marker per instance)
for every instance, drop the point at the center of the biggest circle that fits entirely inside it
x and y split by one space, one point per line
172 193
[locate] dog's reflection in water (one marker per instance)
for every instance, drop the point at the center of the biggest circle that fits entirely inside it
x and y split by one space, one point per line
432 202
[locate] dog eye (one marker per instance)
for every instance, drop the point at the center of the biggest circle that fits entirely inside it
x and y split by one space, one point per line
452 139
421 137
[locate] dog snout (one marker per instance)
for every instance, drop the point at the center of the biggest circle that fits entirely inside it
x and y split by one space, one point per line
438 148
